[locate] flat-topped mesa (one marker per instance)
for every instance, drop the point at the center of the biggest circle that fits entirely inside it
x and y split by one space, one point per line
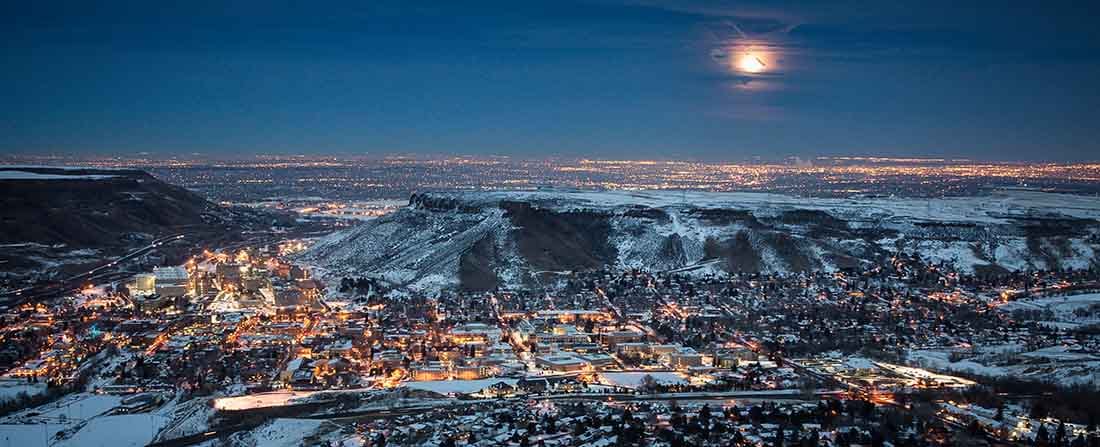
434 201
478 239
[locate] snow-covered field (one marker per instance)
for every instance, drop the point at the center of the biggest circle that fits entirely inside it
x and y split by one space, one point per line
186 418
12 388
88 419
1070 309
260 400
1015 422
1052 364
81 421
125 430
634 379
446 387
76 406
280 433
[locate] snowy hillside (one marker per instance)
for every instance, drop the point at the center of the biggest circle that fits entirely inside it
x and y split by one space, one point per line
482 240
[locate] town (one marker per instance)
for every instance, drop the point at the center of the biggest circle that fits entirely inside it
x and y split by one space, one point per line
907 353
565 223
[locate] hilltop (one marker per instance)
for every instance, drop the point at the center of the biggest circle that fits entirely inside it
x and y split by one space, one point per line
485 240
54 220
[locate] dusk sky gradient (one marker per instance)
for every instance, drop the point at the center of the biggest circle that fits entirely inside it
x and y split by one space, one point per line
603 79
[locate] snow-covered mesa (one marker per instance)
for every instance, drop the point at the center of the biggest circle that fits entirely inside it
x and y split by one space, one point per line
27 175
443 239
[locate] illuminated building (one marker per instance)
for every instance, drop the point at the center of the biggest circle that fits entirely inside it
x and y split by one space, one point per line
429 373
684 358
561 362
143 284
171 282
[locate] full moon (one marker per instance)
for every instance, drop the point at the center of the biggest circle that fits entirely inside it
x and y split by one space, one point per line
751 64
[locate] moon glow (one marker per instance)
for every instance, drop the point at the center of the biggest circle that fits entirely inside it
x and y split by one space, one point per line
751 64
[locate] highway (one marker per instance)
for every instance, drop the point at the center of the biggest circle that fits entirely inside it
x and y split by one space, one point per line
355 415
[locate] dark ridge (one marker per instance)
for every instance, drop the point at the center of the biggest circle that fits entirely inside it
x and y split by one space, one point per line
817 218
1052 252
435 202
842 261
720 216
550 240
989 271
945 224
869 234
644 212
96 212
791 251
475 267
953 231
738 252
672 249
1057 227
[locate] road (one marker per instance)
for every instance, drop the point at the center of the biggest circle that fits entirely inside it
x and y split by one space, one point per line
217 432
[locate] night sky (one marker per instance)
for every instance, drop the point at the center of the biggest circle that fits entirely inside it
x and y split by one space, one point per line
702 80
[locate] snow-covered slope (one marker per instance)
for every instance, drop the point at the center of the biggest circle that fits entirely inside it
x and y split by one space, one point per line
481 240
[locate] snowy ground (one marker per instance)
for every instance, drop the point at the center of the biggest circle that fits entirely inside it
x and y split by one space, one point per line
634 379
260 400
457 386
921 374
71 414
1064 308
117 431
72 407
11 388
286 432
186 418
1052 364
1015 422
87 419
282 433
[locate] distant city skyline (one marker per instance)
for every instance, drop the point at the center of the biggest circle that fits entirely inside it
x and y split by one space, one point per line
603 79
153 159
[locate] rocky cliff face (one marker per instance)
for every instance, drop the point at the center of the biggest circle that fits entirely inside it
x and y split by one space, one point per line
484 240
